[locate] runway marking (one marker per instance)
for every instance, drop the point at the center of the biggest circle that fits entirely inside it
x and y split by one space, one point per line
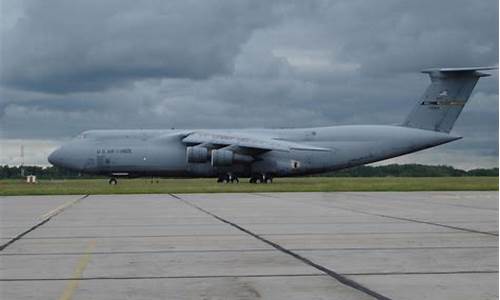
77 274
61 207
263 195
22 234
337 276
249 276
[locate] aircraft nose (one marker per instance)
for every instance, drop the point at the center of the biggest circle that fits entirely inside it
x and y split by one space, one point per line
69 156
55 157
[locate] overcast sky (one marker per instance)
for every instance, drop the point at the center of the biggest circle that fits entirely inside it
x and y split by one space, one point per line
70 66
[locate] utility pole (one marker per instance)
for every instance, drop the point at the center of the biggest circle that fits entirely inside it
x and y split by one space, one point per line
22 160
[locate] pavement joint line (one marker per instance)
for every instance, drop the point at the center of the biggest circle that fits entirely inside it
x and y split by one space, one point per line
125 236
337 276
218 224
250 223
423 273
415 220
204 235
138 226
442 225
248 276
77 274
166 277
359 195
412 220
22 234
248 250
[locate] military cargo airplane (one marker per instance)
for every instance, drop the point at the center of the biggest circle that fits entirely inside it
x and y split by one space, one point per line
262 154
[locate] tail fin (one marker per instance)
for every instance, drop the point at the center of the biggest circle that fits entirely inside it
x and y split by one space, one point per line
444 99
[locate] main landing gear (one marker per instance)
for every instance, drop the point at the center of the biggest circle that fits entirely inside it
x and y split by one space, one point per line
113 181
261 178
228 178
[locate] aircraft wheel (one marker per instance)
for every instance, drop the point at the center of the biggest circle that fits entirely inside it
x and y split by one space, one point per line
258 178
224 179
268 179
113 181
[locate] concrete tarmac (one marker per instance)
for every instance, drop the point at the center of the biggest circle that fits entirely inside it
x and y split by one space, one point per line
416 245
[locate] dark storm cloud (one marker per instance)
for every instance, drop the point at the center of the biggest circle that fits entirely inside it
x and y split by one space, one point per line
73 66
408 35
68 46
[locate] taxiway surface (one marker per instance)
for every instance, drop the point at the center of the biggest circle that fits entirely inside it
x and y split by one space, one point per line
417 245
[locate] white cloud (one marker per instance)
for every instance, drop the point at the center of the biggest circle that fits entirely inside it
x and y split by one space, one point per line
35 151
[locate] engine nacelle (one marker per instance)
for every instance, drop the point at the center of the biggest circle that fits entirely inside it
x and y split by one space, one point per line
197 154
222 157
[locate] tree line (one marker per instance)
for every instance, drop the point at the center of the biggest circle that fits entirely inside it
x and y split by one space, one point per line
410 170
394 170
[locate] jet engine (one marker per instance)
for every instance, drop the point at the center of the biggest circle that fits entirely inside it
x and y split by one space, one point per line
197 154
224 157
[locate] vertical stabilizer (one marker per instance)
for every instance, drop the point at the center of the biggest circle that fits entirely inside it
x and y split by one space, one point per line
444 99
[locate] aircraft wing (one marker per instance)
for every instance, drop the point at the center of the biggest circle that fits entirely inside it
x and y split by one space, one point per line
247 141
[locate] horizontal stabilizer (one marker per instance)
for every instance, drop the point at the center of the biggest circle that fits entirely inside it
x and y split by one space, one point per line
466 69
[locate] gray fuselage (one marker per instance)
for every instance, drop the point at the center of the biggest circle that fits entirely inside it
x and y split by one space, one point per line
163 153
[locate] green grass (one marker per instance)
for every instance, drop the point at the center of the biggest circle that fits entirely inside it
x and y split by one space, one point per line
305 184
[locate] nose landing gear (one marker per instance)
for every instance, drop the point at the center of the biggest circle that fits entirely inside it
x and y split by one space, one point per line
113 181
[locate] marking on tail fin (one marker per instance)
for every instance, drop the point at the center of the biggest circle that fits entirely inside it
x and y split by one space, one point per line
444 103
